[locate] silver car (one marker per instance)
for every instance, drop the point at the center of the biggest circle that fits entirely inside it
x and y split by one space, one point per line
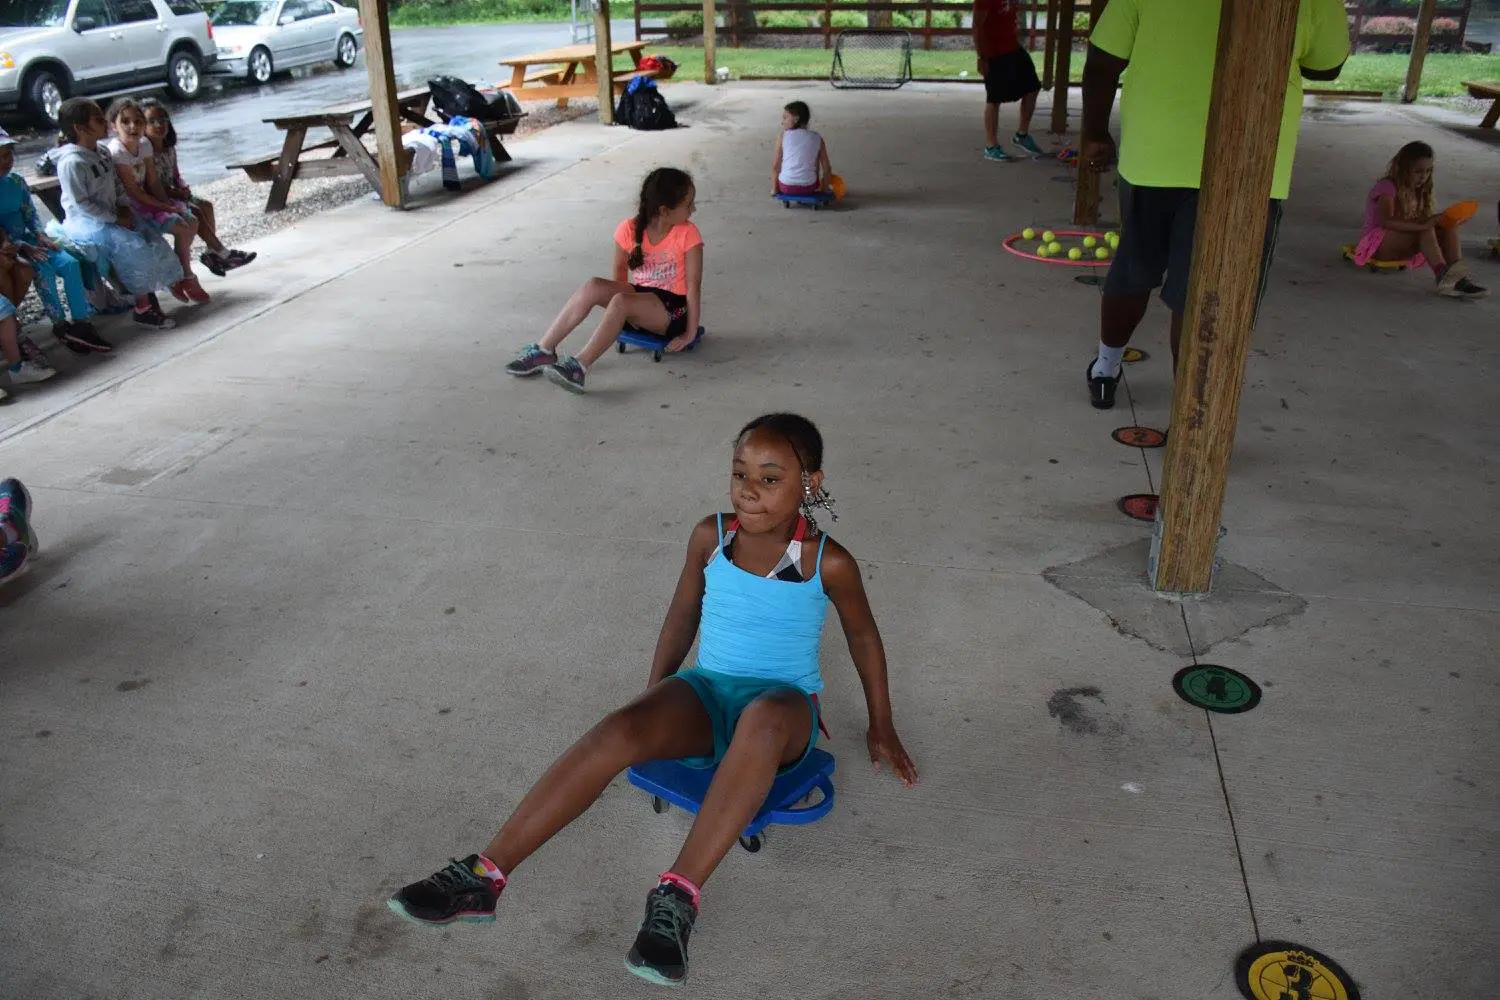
257 38
54 49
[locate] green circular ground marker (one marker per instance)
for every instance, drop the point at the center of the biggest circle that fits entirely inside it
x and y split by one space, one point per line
1281 970
1217 689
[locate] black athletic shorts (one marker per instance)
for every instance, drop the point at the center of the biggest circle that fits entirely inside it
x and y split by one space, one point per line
677 309
1156 239
1010 77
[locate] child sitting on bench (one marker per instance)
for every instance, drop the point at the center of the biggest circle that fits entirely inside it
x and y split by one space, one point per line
758 581
802 166
656 286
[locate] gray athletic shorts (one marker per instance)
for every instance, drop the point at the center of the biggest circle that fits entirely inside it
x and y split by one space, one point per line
1156 240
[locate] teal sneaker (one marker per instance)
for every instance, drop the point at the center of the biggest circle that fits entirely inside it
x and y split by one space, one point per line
567 373
996 153
15 510
13 561
659 954
532 359
1026 142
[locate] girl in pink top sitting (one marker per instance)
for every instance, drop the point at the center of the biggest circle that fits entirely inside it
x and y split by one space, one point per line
658 275
1400 224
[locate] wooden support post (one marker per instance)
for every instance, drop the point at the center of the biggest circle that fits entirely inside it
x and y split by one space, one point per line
1086 196
1096 9
382 72
710 42
1049 43
1418 51
604 61
1062 67
1239 161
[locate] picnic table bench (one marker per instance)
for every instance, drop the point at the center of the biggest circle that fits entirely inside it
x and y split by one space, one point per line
349 123
49 191
568 72
1481 90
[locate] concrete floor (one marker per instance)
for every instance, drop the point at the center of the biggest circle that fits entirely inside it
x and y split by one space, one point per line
322 591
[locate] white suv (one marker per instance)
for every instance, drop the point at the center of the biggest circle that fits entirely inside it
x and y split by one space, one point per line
54 49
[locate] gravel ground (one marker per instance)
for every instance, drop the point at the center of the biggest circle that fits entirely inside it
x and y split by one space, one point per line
239 203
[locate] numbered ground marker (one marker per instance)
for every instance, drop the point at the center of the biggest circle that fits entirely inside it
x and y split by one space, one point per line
1134 354
1217 689
1280 970
1141 506
1139 437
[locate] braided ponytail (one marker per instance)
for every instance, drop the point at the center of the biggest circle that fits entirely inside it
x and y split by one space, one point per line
664 188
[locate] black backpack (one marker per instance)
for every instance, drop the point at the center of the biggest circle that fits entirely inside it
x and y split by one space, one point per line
642 107
452 97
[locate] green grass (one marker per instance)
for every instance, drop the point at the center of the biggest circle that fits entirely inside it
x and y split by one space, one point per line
1442 75
434 13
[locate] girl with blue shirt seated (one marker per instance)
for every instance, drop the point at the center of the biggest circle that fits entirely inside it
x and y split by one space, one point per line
755 590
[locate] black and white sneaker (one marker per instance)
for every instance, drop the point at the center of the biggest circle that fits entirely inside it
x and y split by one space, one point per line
1101 390
82 338
455 892
152 316
659 954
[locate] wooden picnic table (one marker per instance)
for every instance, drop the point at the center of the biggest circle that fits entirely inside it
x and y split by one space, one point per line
348 123
1482 90
568 72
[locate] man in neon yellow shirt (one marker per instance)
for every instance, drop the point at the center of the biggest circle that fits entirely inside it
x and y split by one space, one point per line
1169 47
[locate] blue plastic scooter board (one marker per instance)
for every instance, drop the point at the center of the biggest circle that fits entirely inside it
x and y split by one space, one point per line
673 782
657 345
817 201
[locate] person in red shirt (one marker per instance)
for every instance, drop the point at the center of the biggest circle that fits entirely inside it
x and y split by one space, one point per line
1009 74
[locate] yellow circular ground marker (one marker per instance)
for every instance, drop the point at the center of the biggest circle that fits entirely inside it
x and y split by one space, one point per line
1280 970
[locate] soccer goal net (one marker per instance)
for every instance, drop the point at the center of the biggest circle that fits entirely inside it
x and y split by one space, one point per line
871 59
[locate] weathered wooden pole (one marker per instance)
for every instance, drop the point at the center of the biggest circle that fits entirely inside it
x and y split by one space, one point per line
710 42
1062 67
1086 194
1418 51
389 153
1239 161
604 61
1049 42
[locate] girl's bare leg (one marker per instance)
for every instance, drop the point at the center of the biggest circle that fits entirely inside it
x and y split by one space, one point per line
208 230
1447 239
1401 246
10 345
772 731
666 722
595 292
183 235
639 309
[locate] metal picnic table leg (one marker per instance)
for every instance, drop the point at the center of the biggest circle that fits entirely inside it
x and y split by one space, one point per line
349 142
286 168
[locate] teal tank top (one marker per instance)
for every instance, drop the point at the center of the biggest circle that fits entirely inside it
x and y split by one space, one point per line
762 628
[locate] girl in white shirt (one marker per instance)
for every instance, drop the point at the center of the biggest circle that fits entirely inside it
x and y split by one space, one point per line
802 165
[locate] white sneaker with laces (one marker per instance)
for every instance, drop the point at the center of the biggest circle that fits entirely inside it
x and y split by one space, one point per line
30 371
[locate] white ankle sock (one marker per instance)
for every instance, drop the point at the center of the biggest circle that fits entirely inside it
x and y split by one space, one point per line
1107 365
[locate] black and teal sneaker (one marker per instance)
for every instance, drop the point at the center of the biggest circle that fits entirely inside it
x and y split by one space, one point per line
456 892
567 373
660 950
15 510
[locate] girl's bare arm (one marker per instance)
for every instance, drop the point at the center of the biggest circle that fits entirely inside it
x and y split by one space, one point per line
841 581
776 166
621 271
694 292
825 168
681 624
1390 219
134 189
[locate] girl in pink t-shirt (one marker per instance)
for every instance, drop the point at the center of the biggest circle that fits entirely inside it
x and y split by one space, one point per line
658 275
1400 224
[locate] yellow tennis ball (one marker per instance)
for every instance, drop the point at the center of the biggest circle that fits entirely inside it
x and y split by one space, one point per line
1028 233
1075 254
1047 236
1054 247
1089 242
1102 253
1041 250
1112 238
